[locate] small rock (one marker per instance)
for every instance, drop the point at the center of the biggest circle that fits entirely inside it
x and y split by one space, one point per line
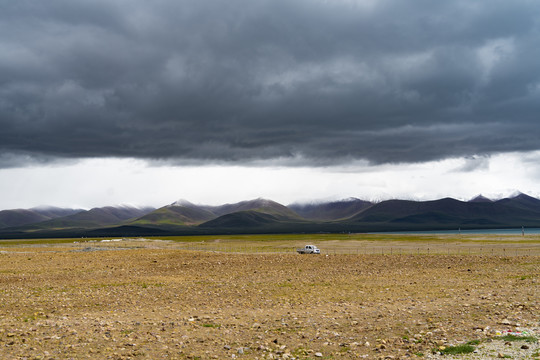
318 354
227 347
525 347
500 355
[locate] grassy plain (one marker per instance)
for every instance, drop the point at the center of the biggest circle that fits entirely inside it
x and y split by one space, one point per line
254 298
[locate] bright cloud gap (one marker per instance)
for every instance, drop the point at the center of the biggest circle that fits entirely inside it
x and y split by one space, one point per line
99 182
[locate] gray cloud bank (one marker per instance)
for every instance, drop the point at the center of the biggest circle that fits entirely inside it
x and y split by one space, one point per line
248 80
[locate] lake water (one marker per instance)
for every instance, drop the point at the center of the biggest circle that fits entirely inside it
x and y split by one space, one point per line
516 231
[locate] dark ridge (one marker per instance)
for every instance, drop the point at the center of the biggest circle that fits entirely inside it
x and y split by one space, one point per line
242 219
331 211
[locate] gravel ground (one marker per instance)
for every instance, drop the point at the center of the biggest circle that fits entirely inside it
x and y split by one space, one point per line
161 303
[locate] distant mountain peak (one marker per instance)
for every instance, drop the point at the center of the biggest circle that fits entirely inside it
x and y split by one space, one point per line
43 207
117 206
263 201
259 199
127 206
181 202
520 195
347 200
524 197
480 198
325 202
259 202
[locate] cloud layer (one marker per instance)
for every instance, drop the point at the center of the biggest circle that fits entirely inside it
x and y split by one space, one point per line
311 82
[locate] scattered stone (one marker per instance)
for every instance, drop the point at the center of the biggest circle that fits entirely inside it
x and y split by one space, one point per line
318 354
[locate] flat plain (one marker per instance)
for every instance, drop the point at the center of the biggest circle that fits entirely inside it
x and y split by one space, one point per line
253 297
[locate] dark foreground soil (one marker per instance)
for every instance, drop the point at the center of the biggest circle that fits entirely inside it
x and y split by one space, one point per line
60 303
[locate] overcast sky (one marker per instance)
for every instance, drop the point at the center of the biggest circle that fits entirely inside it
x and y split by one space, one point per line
145 102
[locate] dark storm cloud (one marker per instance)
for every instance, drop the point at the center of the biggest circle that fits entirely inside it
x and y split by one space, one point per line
245 80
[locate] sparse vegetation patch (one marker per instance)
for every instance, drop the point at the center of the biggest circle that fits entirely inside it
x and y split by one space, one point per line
510 337
457 350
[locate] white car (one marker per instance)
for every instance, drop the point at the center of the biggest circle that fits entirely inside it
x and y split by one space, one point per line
309 249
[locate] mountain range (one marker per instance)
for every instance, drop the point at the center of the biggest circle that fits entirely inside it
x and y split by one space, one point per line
18 217
267 216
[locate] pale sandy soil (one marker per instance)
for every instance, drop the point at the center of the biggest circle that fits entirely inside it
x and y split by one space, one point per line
149 300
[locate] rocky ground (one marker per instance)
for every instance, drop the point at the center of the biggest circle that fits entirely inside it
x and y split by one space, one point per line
163 303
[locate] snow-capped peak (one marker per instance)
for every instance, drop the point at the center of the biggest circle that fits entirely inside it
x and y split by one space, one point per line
181 202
